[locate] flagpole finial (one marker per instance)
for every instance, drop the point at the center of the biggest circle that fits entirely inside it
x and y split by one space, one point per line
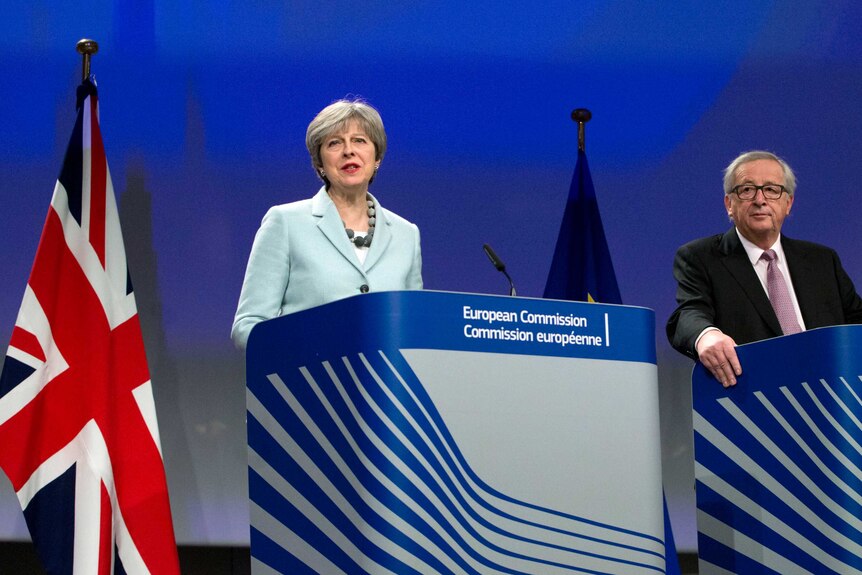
87 48
581 116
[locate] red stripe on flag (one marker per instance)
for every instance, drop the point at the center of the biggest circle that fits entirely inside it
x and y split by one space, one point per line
27 342
98 183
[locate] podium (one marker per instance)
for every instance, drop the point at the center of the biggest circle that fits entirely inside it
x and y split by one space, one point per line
778 457
431 432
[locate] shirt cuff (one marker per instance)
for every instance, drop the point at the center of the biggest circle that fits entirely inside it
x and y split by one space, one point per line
704 332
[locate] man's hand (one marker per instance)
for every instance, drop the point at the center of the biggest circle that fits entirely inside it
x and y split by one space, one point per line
717 352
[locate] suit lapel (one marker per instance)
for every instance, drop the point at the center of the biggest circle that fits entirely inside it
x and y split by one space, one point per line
382 236
737 263
800 271
330 224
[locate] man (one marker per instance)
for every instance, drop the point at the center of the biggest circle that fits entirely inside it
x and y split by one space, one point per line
730 285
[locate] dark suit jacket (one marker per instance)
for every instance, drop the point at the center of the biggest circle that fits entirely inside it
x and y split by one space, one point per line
717 286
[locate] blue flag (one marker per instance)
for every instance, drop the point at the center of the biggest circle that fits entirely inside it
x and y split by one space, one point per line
582 271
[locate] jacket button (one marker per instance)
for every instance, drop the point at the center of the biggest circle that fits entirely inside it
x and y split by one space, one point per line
364 288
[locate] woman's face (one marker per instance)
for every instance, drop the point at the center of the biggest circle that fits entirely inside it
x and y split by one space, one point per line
348 159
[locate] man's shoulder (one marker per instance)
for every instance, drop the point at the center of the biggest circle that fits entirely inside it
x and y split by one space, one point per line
804 246
702 245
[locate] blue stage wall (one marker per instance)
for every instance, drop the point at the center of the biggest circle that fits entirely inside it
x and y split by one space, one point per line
204 109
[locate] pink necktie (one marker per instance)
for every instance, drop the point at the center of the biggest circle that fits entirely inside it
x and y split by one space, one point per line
779 297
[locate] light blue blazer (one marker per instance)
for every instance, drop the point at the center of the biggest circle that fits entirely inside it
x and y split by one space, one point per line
301 258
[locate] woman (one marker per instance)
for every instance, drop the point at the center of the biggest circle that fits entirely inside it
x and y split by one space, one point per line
339 243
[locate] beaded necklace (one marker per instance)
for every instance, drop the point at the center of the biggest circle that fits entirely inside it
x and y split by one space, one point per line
360 241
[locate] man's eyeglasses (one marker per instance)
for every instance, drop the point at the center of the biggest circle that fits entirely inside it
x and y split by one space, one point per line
748 191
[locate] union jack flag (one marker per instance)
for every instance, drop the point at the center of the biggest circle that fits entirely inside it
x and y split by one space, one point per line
78 433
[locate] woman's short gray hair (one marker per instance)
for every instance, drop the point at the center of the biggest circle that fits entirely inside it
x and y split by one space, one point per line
335 117
730 171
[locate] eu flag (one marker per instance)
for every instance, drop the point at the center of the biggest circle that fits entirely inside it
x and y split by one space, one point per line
582 271
582 268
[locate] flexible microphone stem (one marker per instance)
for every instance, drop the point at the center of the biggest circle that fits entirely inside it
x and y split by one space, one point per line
501 267
511 284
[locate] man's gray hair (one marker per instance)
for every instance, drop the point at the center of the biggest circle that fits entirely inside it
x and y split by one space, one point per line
730 171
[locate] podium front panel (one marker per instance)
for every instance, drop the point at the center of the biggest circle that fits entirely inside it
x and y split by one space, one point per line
432 432
778 457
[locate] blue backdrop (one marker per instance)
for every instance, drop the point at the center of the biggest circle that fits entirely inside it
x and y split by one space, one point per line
204 107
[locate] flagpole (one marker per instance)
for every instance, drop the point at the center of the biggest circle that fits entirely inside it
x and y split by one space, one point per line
87 48
581 116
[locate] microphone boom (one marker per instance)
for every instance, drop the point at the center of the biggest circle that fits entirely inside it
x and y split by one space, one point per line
501 267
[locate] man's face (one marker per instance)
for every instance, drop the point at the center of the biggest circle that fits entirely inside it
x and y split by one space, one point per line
759 219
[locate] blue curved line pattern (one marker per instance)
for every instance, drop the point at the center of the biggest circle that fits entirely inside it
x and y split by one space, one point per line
434 425
397 410
779 479
358 472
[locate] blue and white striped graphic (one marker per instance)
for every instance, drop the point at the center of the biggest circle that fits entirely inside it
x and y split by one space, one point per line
779 458
371 481
358 459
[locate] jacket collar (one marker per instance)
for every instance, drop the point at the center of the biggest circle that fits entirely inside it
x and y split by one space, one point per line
801 272
330 224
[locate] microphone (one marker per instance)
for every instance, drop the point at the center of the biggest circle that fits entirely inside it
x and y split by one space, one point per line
501 267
